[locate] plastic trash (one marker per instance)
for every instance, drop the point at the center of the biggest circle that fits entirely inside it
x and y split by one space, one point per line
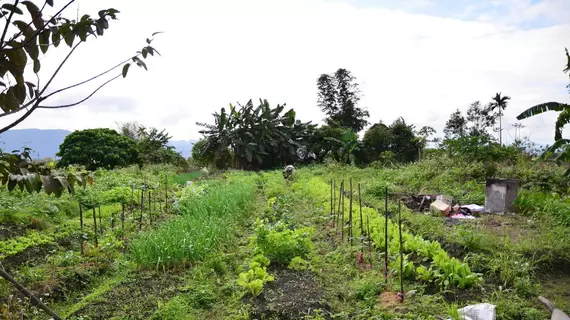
480 311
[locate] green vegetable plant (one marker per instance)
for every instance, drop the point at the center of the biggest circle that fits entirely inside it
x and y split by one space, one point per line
253 279
281 244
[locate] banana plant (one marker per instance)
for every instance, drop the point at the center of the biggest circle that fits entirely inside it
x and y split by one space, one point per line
560 150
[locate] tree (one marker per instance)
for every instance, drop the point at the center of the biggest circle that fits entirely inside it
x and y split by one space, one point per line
404 143
338 97
377 140
480 118
98 148
422 137
498 104
325 141
26 33
152 144
20 55
456 126
560 150
258 137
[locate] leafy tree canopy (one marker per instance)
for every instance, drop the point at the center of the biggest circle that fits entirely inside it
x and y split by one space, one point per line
258 137
338 97
98 148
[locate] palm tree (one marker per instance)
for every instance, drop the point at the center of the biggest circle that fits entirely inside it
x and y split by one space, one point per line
499 103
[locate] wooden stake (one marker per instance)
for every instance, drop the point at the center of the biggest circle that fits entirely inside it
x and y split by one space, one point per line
334 203
331 211
81 227
150 206
369 237
343 222
100 223
386 237
165 194
95 227
350 232
339 203
401 248
361 222
142 209
123 221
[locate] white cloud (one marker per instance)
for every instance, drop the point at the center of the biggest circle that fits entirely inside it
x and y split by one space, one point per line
218 52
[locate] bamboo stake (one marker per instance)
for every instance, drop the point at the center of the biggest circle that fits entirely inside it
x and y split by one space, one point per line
401 248
81 227
142 209
386 237
100 223
95 227
150 206
123 221
339 203
369 238
350 231
343 222
361 222
166 194
334 203
331 211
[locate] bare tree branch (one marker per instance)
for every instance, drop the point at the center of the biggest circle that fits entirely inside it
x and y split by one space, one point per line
81 101
90 79
8 23
22 118
59 68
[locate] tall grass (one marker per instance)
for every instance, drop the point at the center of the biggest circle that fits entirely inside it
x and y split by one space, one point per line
208 222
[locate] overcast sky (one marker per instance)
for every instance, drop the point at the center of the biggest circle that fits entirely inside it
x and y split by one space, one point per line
420 60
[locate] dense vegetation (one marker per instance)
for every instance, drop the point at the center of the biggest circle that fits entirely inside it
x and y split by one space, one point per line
342 238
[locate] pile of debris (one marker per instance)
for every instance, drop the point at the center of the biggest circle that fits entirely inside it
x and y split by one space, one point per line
443 205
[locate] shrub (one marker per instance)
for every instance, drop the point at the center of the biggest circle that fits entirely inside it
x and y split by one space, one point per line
281 245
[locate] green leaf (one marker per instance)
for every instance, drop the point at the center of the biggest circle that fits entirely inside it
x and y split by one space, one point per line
126 69
35 13
31 89
139 62
44 40
12 182
538 109
27 30
12 8
55 37
3 104
20 92
18 57
69 37
11 101
33 50
144 53
37 66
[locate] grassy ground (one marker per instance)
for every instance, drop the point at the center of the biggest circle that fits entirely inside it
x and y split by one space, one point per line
254 246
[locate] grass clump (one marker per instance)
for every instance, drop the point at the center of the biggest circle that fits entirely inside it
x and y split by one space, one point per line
207 223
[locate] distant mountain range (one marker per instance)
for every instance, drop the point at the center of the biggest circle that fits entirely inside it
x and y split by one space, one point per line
45 143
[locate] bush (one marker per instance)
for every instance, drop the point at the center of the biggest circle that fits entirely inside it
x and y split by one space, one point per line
280 244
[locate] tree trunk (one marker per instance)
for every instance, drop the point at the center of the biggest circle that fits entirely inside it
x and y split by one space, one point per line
500 127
